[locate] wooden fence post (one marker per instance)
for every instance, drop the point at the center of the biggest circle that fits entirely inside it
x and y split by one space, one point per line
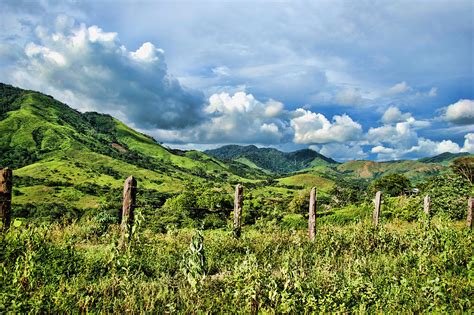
312 213
238 200
6 185
128 207
378 203
470 205
426 205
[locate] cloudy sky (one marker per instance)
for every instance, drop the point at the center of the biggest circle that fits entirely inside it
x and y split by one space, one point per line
351 79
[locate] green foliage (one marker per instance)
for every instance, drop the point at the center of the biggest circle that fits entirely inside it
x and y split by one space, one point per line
271 159
448 194
194 207
407 208
345 192
293 222
392 185
397 268
464 167
300 202
16 157
193 263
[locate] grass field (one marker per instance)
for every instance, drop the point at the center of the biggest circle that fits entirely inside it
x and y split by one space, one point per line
400 267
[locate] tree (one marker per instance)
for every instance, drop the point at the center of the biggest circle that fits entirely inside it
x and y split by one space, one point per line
464 166
392 185
346 192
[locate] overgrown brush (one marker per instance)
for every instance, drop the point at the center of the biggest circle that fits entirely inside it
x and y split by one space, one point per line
399 267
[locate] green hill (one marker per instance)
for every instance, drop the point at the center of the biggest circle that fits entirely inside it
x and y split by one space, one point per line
270 159
414 170
62 156
443 158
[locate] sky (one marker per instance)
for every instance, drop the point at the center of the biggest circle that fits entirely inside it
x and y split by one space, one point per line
377 80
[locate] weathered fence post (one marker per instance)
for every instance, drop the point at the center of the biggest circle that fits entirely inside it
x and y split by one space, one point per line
426 205
6 185
238 200
378 203
312 213
128 207
470 205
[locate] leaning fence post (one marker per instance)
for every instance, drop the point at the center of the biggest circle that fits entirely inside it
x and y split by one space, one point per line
470 205
238 199
128 207
6 185
426 205
378 202
312 213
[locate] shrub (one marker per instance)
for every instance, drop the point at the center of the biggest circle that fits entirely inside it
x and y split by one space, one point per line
448 194
392 185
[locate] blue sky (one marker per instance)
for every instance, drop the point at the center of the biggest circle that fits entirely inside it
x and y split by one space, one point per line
351 79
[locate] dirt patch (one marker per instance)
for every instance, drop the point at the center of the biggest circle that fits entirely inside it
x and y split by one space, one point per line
119 147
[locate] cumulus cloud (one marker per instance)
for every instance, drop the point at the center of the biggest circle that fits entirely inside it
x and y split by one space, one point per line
398 138
380 149
468 143
340 151
399 88
394 115
238 118
312 127
349 96
422 148
461 112
91 69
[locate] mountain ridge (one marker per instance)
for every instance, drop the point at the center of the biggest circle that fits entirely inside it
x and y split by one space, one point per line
271 159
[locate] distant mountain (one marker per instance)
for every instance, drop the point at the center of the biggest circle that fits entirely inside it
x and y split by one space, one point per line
443 158
270 159
414 170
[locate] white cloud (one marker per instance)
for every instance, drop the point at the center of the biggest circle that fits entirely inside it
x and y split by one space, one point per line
311 127
422 148
340 151
433 92
468 143
90 69
399 88
238 118
461 112
394 115
349 96
382 150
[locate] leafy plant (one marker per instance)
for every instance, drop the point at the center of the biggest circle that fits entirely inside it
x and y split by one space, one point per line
193 263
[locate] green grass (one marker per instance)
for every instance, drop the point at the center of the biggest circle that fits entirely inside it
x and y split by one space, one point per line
400 267
306 181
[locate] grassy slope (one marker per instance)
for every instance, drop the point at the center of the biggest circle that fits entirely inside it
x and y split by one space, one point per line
414 170
307 180
67 154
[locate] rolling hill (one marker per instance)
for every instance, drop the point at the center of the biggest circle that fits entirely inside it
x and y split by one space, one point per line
63 156
271 160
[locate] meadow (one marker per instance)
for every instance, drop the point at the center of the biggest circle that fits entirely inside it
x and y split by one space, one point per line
419 266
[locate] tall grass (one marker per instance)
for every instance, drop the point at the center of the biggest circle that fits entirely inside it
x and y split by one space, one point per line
399 267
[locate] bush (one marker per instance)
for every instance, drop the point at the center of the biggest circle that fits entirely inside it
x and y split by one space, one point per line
293 222
449 194
392 185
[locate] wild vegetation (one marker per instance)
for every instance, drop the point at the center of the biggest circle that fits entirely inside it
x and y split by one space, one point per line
62 252
400 267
